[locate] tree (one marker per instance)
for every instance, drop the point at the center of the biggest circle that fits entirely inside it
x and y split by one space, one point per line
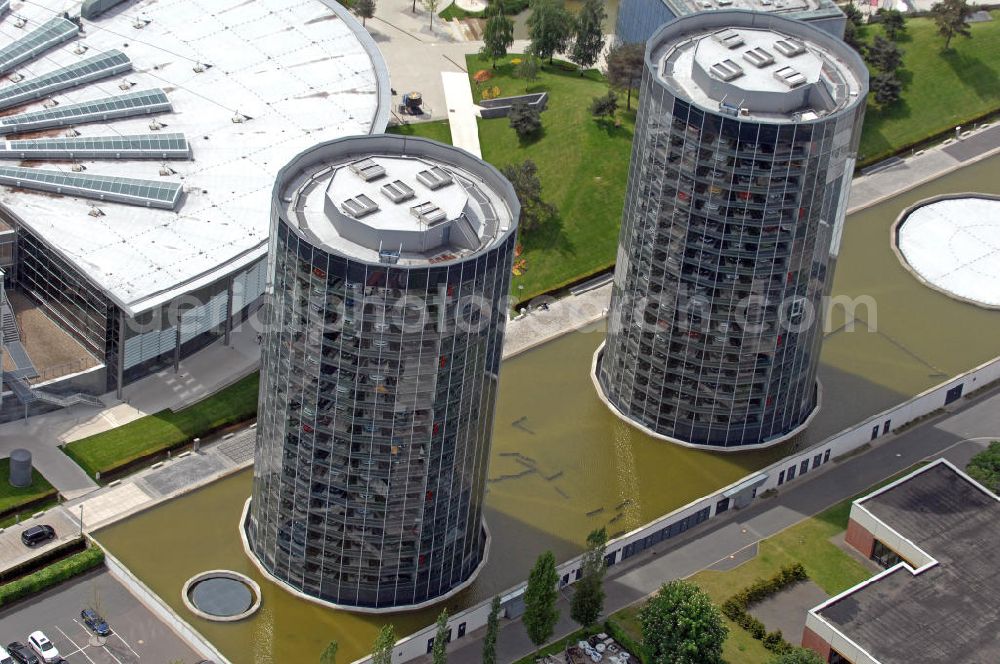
588 41
950 17
439 652
797 656
624 70
853 14
886 88
680 625
588 594
534 211
852 39
365 9
498 35
985 467
528 69
384 642
605 105
893 22
884 55
540 613
492 631
550 27
329 656
432 7
526 120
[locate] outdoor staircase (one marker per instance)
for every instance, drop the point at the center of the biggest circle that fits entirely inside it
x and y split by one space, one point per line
28 395
10 330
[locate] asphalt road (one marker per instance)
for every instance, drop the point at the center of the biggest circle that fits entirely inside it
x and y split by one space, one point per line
137 635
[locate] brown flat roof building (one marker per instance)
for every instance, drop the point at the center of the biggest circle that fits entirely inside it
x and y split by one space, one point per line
936 531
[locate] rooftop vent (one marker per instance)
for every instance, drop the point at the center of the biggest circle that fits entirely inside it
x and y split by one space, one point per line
726 70
728 37
428 213
359 206
758 57
790 77
367 169
397 191
790 47
434 178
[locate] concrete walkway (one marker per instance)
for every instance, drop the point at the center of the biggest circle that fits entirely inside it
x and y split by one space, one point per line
461 112
956 435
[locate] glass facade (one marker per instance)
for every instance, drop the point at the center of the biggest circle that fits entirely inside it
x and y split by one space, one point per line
378 385
727 247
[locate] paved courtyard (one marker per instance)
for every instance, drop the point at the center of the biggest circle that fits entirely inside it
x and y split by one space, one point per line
137 635
787 610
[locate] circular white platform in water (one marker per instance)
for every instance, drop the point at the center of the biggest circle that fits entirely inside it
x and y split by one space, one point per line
953 245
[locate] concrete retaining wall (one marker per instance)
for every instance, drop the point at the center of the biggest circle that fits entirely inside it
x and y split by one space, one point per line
199 643
631 543
500 107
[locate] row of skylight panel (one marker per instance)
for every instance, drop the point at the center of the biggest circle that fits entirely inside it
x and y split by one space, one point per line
131 191
86 71
144 102
138 146
51 33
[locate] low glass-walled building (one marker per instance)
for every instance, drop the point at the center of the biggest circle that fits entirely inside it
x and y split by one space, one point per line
744 149
390 262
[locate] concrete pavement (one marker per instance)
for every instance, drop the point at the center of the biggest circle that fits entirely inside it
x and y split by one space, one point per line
956 435
461 112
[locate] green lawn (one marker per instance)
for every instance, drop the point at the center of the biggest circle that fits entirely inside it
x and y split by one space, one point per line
941 89
113 449
11 498
807 542
583 165
438 130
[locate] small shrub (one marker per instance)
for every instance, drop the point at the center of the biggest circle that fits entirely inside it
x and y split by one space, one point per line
525 120
773 641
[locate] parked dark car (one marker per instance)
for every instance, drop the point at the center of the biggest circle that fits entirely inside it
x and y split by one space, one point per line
94 622
22 653
37 534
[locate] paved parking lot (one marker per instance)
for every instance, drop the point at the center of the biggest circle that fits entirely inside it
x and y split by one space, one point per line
137 635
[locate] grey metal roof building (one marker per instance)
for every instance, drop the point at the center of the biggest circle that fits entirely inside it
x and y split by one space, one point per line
390 260
744 147
638 20
937 531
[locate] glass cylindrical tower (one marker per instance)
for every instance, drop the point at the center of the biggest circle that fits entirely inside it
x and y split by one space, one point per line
744 147
389 270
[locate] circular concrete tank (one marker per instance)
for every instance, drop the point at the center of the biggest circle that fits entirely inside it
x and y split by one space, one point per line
20 468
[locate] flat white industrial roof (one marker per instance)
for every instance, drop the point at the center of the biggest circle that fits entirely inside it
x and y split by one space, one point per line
295 72
954 246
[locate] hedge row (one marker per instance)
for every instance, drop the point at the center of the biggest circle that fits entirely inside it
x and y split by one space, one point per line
52 575
625 640
735 608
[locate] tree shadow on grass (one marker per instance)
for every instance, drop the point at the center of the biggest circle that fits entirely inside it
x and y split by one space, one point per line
973 73
550 235
530 139
614 130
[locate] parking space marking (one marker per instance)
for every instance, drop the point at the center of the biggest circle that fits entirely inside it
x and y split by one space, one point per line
78 648
127 645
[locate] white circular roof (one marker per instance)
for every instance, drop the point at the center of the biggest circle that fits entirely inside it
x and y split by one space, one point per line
954 246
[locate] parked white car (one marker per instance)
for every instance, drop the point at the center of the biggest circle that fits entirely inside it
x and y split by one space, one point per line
45 648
